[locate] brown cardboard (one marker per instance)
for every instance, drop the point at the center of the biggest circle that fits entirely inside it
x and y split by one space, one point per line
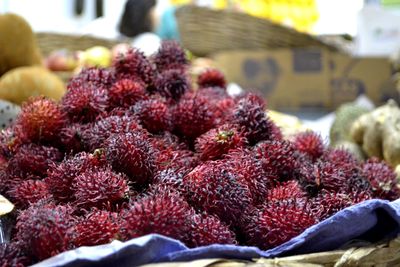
295 79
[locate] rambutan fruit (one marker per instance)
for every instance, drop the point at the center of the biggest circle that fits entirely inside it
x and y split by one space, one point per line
250 114
126 92
32 159
4 180
309 143
170 56
276 223
211 78
71 138
85 103
135 66
278 156
95 136
175 159
99 188
29 192
193 116
218 141
42 230
166 213
60 176
382 179
11 255
171 177
132 154
172 84
153 114
99 77
9 142
207 230
341 158
167 140
287 191
97 227
40 120
213 187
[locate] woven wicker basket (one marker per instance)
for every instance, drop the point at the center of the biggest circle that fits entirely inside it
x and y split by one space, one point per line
205 31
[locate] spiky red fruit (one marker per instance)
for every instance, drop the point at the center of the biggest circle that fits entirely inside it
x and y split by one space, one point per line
287 191
172 84
382 179
95 228
208 230
71 137
193 116
95 136
175 159
11 255
277 223
277 156
310 143
167 140
214 187
29 192
86 102
250 114
61 176
42 230
154 115
135 66
99 77
170 56
32 159
9 142
218 141
341 158
99 188
171 178
211 78
40 120
132 154
126 92
166 213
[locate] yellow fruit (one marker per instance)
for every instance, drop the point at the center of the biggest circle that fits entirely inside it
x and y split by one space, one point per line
97 56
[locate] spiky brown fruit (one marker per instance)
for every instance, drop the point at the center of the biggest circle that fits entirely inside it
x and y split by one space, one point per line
211 78
135 66
170 56
214 187
310 143
99 77
95 136
276 223
42 230
40 120
132 154
154 115
99 189
166 213
126 92
85 103
33 160
61 176
11 255
218 141
207 230
382 179
250 114
29 192
98 227
193 116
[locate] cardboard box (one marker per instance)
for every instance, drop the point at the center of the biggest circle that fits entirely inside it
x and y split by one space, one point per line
314 78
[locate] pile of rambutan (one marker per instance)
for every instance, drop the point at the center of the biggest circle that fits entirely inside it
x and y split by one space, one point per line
139 148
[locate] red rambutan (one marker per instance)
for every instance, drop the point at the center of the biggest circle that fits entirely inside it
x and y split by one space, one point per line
172 84
171 177
153 114
29 192
170 56
99 77
175 159
40 120
341 158
99 188
167 140
85 103
9 142
132 154
218 141
287 191
125 93
309 143
98 227
211 78
208 230
166 213
71 137
11 255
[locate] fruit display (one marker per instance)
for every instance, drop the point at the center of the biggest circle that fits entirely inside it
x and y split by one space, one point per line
135 149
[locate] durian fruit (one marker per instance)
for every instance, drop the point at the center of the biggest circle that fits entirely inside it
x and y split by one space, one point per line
17 44
346 114
19 84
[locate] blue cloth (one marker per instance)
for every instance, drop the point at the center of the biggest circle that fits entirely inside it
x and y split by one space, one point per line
168 26
371 220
